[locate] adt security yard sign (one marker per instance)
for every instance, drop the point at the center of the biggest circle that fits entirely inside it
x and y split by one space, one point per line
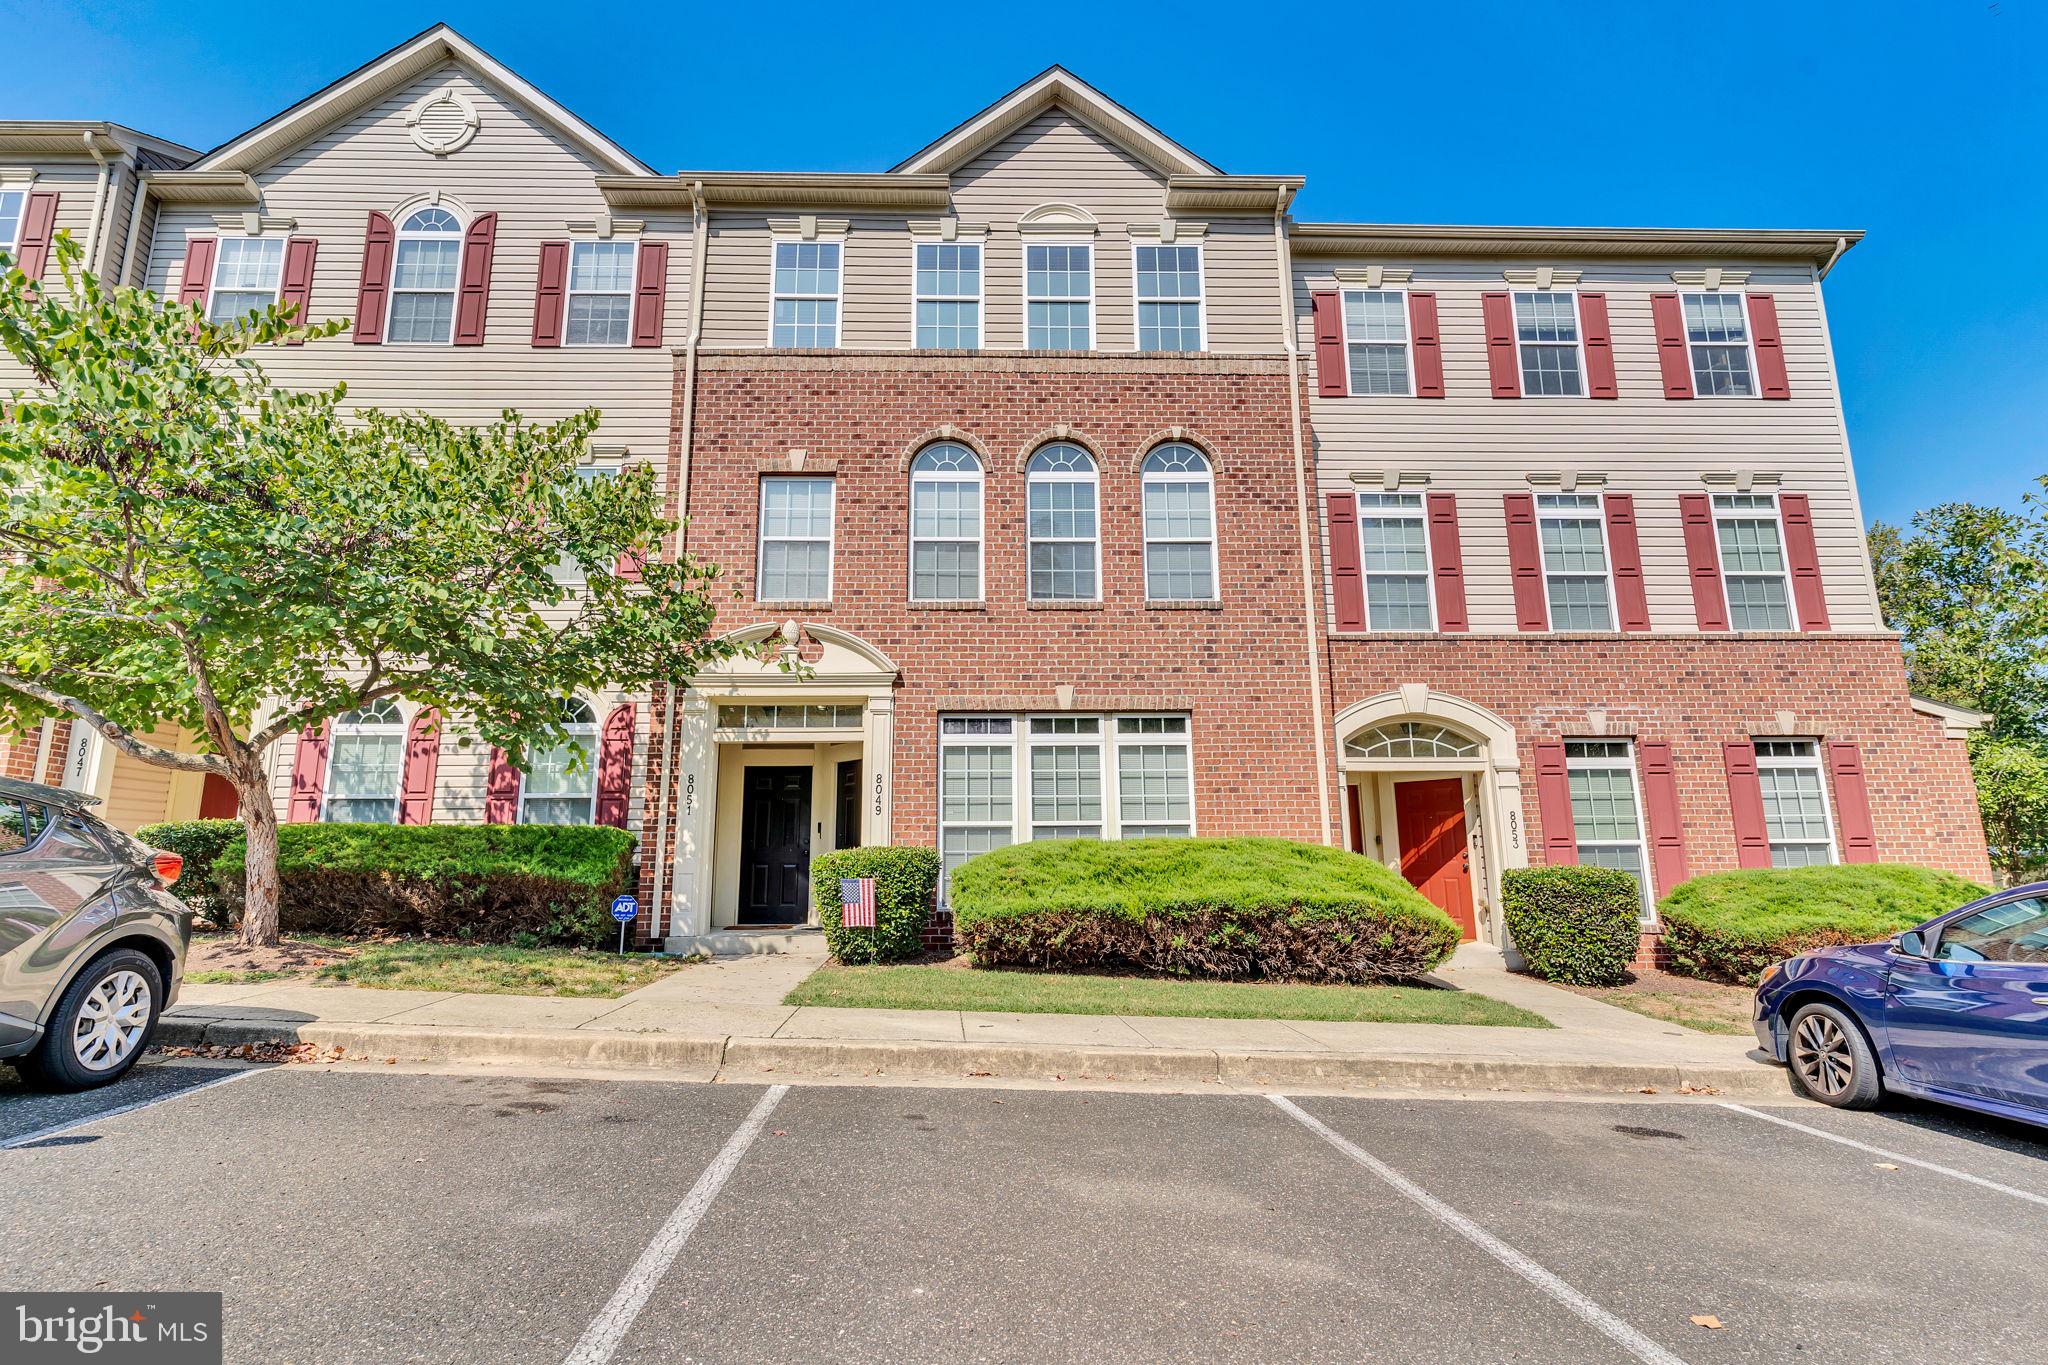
625 909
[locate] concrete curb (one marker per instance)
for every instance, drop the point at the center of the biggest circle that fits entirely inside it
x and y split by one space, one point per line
751 1059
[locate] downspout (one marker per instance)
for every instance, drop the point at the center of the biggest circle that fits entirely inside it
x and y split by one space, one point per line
134 227
1283 263
99 201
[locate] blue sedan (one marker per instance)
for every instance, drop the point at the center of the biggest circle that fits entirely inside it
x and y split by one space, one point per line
1954 1011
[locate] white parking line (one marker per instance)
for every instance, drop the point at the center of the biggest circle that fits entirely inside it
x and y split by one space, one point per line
609 1327
120 1109
1902 1159
1602 1321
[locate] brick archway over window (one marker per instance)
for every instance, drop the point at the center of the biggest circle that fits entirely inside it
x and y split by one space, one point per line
1176 436
944 431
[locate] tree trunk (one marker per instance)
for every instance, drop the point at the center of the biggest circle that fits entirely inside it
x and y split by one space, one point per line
259 908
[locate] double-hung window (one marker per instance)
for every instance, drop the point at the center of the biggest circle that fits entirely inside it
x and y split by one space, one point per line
1169 298
1066 777
977 787
246 274
806 310
1573 533
796 539
1059 296
560 784
1179 498
1547 338
1060 487
945 524
1395 542
1154 791
1717 333
1752 546
1607 820
1795 791
364 765
1376 342
948 296
425 272
13 203
600 309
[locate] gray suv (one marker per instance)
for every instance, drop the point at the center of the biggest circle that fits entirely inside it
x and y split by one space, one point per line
92 946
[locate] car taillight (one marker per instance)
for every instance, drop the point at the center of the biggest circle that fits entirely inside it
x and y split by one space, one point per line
168 866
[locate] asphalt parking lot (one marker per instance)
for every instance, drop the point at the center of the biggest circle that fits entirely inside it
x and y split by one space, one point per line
360 1216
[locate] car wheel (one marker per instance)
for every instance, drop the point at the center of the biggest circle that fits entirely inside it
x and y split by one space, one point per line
103 1021
1831 1059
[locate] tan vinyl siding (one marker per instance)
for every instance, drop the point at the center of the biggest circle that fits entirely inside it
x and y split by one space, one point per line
73 182
1480 447
139 793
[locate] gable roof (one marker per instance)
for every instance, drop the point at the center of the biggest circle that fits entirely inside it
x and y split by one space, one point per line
377 78
1056 86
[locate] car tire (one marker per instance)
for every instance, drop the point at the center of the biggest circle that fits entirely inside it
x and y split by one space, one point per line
1830 1058
103 1022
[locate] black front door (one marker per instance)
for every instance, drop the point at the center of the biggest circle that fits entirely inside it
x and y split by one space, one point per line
846 817
775 846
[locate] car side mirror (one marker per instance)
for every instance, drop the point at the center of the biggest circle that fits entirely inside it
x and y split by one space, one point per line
1911 943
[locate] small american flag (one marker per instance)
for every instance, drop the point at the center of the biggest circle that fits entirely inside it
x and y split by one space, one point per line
857 902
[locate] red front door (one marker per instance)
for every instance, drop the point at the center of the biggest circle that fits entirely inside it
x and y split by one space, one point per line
217 799
1430 818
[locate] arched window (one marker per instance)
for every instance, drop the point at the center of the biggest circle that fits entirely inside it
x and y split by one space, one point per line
364 766
1180 525
1411 739
1061 481
945 524
561 778
424 275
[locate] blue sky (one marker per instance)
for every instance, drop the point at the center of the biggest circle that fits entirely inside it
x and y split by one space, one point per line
1925 124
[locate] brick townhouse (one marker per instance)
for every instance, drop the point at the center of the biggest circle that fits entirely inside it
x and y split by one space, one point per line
1100 496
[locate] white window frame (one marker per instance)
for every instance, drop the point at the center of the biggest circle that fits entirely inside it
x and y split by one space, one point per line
1207 478
1578 342
587 730
1365 575
1692 373
1006 741
980 478
349 729
570 292
838 296
454 292
1138 299
976 298
1641 843
1094 479
1814 762
8 244
761 536
1407 338
1086 244
1185 741
1719 514
220 260
1599 513
567 571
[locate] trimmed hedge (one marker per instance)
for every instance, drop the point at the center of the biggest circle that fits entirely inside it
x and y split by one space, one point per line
1729 926
200 843
906 888
1233 909
482 883
1579 925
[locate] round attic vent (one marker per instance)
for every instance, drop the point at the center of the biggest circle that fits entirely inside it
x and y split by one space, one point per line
443 123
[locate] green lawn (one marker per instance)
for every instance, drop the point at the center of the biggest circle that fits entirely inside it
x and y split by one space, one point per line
229 977
478 968
952 988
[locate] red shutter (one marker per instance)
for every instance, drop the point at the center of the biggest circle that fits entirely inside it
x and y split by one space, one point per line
1772 381
1331 380
650 293
38 230
1449 558
1554 806
1630 602
1429 351
1703 560
501 791
1347 571
1599 346
296 290
309 774
1672 356
615 766
1351 818
473 300
549 292
374 291
1500 345
1803 557
1667 830
1746 804
197 277
1852 804
422 761
1525 563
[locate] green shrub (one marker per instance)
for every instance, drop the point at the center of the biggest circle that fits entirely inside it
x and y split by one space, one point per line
1729 926
1226 908
906 888
1579 925
200 843
483 883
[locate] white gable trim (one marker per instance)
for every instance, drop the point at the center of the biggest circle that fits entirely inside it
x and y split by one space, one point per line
1056 86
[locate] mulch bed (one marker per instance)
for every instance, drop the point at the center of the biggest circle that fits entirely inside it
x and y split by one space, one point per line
221 953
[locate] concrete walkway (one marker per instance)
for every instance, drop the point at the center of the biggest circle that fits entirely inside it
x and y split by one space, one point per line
724 1019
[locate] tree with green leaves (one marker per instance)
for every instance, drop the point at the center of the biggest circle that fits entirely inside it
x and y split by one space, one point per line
184 542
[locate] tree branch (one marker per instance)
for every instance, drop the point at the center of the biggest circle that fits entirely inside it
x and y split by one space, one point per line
293 720
116 735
